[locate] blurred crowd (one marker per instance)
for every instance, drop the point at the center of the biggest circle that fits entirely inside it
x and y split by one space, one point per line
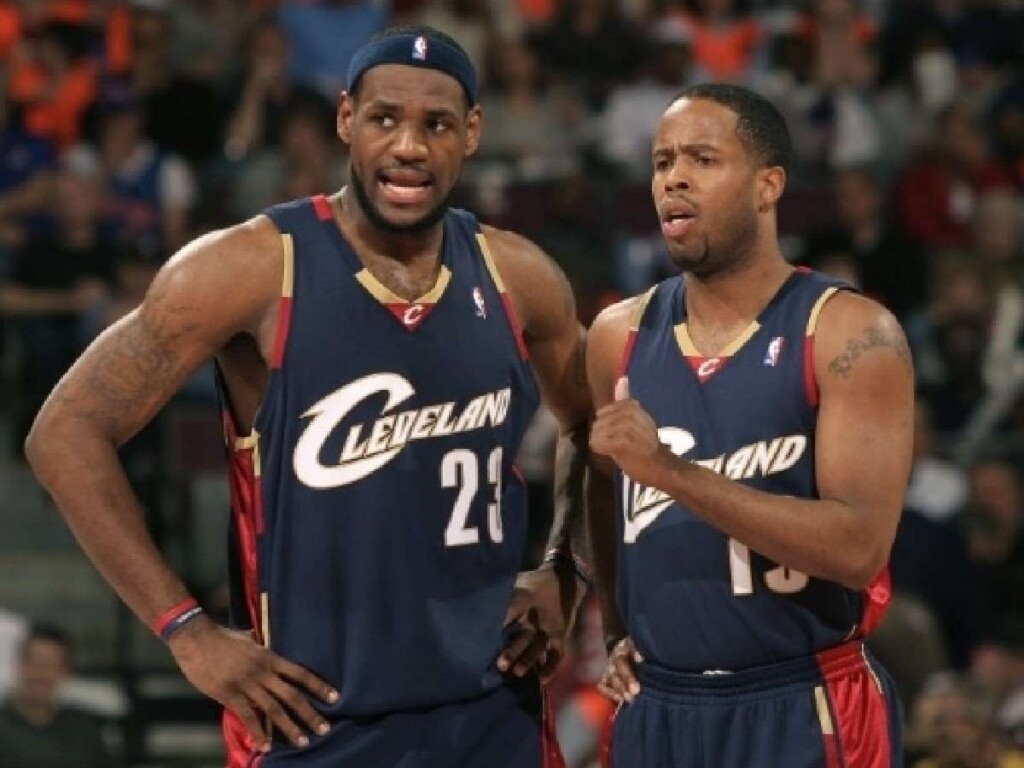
127 128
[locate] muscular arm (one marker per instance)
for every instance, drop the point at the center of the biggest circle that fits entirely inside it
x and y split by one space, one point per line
214 288
605 345
863 455
544 303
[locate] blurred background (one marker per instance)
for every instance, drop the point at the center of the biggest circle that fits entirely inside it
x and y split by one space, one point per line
128 128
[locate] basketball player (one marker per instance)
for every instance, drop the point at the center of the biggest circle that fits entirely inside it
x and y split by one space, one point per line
380 355
756 422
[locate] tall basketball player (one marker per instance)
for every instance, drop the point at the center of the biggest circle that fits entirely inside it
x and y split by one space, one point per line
380 355
755 420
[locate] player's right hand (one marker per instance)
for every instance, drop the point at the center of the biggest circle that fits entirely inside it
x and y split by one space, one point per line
250 680
619 681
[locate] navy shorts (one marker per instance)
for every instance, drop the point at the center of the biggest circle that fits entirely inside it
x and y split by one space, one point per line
834 710
507 728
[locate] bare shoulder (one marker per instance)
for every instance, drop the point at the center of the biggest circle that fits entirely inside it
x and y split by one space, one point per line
856 332
229 273
537 285
606 342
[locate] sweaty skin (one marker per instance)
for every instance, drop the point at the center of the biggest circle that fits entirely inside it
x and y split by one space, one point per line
218 298
863 437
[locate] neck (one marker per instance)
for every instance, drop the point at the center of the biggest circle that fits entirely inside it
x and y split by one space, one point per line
369 240
36 713
736 294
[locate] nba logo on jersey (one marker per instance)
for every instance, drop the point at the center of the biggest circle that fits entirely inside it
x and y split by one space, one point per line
771 357
419 48
478 299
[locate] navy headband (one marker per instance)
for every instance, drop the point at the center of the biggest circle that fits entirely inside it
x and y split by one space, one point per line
415 51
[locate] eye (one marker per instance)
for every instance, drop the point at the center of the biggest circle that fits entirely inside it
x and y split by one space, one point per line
382 119
705 160
438 125
661 165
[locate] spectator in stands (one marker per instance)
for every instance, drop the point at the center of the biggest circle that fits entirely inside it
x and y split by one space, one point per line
950 344
994 525
937 196
633 109
266 94
309 161
894 270
59 275
36 731
929 556
323 36
954 727
469 22
725 39
529 125
57 84
151 193
999 247
26 179
999 666
192 132
1007 121
911 645
592 46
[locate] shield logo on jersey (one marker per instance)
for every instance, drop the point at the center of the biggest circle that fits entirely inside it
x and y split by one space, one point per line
771 357
419 48
481 307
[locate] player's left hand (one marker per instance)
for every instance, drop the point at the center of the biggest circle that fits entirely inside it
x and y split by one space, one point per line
543 604
625 432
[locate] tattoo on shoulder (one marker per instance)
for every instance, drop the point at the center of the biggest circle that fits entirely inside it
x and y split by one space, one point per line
873 338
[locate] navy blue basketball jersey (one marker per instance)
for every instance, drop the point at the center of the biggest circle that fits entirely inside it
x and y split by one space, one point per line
692 598
379 519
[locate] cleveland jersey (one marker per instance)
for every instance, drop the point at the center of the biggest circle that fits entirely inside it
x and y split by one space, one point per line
379 520
693 599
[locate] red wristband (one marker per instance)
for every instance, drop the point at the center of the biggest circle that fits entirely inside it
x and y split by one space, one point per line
176 616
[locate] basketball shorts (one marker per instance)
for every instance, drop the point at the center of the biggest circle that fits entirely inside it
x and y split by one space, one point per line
506 728
834 710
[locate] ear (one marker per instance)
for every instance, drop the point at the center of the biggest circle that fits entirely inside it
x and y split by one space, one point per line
771 182
346 111
474 124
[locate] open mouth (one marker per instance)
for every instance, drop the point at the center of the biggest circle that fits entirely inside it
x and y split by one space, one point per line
676 220
405 186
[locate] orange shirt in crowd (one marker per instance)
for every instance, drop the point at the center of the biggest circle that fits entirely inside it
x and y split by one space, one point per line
724 50
54 113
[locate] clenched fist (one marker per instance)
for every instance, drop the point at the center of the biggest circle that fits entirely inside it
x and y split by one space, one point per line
627 434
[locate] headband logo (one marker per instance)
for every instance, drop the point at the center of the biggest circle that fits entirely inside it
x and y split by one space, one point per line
419 48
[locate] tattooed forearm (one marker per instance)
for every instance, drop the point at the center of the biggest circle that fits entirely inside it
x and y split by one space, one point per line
568 523
873 338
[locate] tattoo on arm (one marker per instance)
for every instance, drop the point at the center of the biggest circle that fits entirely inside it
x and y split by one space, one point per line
873 338
123 371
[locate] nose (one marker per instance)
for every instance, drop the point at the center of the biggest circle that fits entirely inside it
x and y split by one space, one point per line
677 178
410 144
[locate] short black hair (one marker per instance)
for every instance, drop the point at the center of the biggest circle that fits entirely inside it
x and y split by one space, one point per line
423 30
49 633
760 126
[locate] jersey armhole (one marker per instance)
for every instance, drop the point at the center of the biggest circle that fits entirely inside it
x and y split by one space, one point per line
810 379
506 300
284 305
634 328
